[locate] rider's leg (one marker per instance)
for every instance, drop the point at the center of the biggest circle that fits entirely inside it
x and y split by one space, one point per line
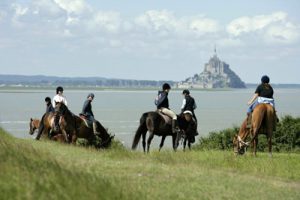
171 114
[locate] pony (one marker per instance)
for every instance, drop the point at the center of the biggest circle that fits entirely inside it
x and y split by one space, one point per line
155 124
33 125
76 127
263 121
45 128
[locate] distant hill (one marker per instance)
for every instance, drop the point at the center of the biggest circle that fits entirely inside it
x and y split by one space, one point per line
40 80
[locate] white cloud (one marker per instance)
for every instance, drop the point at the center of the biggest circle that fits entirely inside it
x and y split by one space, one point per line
108 21
287 33
247 24
72 6
204 25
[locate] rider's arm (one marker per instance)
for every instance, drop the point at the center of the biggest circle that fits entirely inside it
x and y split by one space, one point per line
252 99
183 104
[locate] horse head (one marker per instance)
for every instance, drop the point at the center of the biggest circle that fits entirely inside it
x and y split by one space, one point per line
33 125
239 145
60 108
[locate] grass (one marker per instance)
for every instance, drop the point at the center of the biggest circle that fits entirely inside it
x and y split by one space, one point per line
48 170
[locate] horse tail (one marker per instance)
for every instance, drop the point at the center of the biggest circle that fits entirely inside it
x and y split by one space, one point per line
141 129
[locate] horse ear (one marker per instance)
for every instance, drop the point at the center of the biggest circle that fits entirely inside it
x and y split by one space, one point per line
31 119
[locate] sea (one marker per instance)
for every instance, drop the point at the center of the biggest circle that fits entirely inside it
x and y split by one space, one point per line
119 110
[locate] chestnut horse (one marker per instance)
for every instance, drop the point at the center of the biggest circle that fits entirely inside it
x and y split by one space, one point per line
33 125
155 124
263 121
75 127
45 128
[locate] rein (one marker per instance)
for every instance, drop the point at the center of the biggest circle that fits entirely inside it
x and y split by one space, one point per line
241 141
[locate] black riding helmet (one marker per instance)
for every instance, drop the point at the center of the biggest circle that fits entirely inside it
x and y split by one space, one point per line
187 92
265 79
59 89
47 99
91 95
166 86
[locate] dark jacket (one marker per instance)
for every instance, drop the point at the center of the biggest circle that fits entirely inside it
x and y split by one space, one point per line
87 109
49 108
162 101
190 104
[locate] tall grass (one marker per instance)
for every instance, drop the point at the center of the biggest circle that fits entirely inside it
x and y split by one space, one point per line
49 170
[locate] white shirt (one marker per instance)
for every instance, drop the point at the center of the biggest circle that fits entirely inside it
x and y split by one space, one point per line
59 98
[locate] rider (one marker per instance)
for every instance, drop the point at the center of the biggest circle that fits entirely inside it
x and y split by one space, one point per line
58 98
162 103
49 107
87 111
263 94
188 103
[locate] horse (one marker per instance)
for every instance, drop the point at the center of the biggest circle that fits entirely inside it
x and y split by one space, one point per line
263 121
154 123
33 125
76 127
45 128
189 135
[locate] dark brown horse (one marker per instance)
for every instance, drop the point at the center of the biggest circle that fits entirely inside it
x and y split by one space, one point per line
76 127
155 124
33 125
263 121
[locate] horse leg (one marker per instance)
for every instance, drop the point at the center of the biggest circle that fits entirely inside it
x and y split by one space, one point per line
174 142
149 141
255 141
162 142
65 135
184 143
189 145
74 138
270 144
144 141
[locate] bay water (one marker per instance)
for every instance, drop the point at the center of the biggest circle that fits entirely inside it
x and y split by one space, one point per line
120 110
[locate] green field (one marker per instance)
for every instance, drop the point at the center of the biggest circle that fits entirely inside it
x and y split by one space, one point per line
48 170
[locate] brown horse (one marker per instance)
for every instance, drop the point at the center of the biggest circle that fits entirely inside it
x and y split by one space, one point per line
45 128
155 124
76 127
263 121
33 125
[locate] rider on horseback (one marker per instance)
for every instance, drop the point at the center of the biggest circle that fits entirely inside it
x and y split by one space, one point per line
162 103
49 107
58 98
188 103
88 113
263 94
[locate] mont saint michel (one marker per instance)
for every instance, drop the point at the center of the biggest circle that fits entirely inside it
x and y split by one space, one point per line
216 74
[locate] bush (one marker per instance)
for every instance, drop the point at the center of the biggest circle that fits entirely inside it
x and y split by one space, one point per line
286 138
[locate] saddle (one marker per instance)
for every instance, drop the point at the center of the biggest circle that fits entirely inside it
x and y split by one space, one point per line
166 118
88 123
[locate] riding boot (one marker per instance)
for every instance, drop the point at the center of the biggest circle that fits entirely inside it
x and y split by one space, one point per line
95 128
249 118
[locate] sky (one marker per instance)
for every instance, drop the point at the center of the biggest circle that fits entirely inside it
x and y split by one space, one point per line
150 40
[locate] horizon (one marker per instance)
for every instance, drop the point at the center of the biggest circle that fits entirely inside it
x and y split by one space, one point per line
157 40
95 77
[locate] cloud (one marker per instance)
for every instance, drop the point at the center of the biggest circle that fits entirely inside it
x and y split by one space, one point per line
73 6
273 28
166 21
